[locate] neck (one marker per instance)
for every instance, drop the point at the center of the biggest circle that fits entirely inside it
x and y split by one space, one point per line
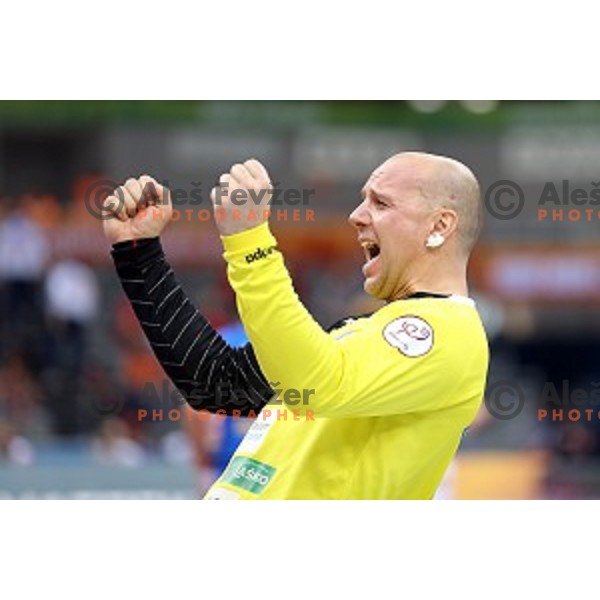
437 281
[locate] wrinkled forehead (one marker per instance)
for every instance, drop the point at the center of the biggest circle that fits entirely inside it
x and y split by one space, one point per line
396 176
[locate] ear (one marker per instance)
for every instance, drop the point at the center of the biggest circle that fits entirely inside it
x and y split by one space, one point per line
445 222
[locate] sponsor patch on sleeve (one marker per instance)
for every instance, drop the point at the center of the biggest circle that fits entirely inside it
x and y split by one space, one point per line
248 474
413 336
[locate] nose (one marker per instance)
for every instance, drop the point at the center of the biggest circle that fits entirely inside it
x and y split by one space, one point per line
359 217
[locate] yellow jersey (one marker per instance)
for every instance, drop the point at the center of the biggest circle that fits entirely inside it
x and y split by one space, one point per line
374 409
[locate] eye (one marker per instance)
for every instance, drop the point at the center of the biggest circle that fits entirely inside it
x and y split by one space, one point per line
379 202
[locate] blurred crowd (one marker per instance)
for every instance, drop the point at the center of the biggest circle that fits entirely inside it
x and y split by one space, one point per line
47 306
74 363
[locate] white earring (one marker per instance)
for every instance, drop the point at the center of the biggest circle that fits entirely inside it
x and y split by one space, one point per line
435 240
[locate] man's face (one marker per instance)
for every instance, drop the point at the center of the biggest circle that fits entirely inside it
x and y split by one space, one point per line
393 222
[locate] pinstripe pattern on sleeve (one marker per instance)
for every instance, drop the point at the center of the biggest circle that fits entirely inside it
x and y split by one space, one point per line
209 373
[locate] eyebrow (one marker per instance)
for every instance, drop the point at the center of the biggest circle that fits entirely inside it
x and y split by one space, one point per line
384 197
381 195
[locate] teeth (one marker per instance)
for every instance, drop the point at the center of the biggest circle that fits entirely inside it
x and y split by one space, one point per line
369 249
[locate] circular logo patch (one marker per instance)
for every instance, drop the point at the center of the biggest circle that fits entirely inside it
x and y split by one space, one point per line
413 336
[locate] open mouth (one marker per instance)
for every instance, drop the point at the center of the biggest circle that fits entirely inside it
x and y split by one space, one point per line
371 250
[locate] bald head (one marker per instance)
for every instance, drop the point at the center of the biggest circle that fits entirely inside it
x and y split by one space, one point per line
444 183
409 204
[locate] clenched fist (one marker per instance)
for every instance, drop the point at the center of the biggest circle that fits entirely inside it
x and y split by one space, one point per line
140 208
241 200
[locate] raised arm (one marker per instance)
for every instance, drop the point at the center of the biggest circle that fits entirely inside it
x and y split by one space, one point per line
290 345
209 373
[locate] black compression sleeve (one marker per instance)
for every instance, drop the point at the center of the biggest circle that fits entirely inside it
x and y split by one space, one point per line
208 372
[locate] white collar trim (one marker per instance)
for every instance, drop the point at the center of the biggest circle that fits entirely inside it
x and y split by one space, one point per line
461 299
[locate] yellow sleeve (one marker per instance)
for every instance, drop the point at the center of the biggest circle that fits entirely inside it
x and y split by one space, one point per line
358 375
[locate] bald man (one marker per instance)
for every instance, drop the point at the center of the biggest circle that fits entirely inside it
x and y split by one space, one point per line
372 408
419 219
